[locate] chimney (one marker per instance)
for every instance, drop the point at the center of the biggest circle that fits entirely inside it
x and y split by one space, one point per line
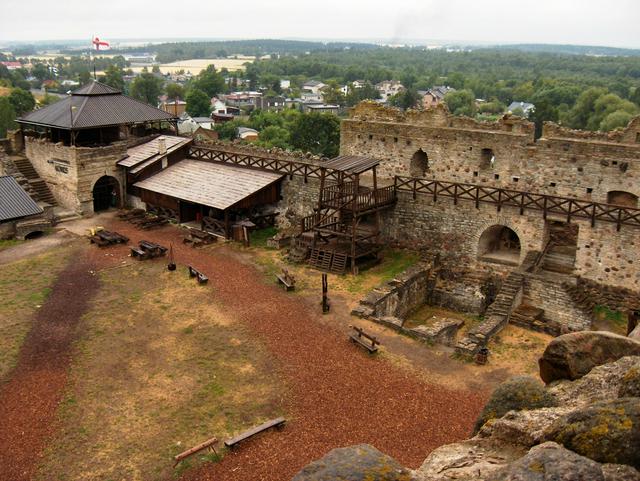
162 146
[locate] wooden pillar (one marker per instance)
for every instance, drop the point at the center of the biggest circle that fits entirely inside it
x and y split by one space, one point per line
226 224
354 210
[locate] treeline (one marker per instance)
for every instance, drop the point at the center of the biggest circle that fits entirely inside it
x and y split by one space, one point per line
171 52
571 49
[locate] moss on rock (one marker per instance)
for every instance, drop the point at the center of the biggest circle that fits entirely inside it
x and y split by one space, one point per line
630 384
515 394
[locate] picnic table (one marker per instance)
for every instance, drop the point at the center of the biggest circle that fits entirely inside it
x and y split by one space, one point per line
147 250
104 238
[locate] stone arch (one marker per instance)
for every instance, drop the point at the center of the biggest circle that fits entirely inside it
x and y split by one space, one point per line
419 164
622 198
106 193
499 243
34 234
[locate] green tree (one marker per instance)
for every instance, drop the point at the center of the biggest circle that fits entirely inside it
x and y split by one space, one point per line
228 130
578 117
615 120
461 102
332 94
198 103
7 116
606 105
407 99
155 69
210 82
316 133
174 91
147 88
84 77
274 136
366 92
113 77
22 101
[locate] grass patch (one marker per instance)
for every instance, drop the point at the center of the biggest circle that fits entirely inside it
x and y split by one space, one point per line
259 237
24 287
614 321
6 243
151 379
394 262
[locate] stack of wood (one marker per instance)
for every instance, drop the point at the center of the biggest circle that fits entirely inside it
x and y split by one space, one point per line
198 238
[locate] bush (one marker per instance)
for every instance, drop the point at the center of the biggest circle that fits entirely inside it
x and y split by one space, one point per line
515 394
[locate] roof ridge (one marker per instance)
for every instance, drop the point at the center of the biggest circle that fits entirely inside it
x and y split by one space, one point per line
80 110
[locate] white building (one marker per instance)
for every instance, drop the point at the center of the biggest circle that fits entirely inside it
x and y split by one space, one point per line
313 86
389 88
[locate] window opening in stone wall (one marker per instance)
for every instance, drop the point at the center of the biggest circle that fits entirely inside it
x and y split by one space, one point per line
552 184
419 164
475 174
589 190
395 139
487 159
370 137
638 137
622 198
516 179
496 176
499 244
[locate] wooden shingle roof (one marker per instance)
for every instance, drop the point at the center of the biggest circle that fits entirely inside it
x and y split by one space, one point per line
214 185
351 164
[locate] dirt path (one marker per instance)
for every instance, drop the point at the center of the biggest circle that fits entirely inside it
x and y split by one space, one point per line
36 246
30 397
337 395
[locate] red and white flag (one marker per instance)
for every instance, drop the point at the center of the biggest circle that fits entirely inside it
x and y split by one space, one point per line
100 44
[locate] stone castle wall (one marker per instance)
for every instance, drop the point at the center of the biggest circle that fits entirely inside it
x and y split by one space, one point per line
563 162
71 172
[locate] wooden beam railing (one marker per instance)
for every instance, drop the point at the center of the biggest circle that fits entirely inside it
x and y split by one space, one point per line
567 207
281 166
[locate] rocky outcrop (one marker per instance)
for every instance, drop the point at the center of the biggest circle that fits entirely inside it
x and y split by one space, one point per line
355 463
608 432
573 355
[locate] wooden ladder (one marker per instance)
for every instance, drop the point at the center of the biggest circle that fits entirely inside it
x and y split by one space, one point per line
339 264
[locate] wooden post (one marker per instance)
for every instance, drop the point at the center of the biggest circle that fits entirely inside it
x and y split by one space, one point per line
325 290
226 224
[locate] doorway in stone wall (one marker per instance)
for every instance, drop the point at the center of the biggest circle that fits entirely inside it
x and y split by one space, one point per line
106 193
499 244
560 255
419 164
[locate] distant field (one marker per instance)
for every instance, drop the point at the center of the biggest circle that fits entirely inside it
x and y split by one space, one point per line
197 64
193 65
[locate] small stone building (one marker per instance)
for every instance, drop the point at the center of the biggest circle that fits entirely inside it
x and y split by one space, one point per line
20 215
75 143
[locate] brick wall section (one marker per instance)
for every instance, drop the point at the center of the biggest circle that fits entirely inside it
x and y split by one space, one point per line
74 189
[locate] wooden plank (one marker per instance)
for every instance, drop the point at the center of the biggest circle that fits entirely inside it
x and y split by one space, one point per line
278 422
207 444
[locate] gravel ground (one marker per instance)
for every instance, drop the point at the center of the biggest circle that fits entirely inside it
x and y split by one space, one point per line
30 397
337 394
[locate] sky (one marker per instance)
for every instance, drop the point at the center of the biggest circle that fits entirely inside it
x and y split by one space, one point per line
586 22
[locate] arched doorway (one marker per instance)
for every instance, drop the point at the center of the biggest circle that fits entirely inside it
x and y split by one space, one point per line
106 193
499 244
622 198
419 164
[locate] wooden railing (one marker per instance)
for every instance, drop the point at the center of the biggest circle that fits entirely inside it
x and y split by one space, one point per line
343 197
285 167
566 207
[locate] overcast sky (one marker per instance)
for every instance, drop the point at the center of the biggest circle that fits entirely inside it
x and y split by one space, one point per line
585 22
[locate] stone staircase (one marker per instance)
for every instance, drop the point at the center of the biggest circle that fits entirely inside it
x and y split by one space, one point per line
529 317
38 187
560 259
496 317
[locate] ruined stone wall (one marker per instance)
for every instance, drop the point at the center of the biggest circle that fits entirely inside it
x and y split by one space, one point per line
298 200
560 312
73 188
570 163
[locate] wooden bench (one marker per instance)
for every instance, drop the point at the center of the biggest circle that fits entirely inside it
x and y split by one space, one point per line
364 340
209 443
193 272
139 253
274 423
153 249
287 280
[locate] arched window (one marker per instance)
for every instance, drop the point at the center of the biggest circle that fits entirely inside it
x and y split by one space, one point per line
419 164
499 244
621 198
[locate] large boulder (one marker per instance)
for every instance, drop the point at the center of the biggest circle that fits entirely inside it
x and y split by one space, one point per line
619 472
550 462
472 460
603 383
573 355
515 394
354 463
608 431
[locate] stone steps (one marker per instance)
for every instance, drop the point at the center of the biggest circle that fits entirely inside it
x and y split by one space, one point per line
42 191
25 167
